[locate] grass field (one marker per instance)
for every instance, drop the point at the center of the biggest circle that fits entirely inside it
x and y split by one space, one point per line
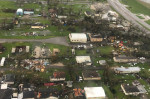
148 22
136 7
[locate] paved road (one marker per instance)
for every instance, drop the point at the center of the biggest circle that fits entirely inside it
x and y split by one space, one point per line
55 40
120 8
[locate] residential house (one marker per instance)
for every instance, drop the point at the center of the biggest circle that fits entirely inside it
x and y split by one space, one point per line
5 93
48 94
126 24
25 87
61 17
110 16
29 95
52 13
112 38
94 93
20 49
132 89
78 37
55 51
78 92
2 61
41 52
86 60
95 38
28 11
8 79
4 86
91 75
123 70
88 13
102 62
124 59
58 76
14 95
2 48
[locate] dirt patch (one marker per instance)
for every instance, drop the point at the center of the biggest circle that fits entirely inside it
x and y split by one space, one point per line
58 64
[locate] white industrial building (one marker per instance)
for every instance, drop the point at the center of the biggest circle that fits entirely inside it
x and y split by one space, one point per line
123 70
78 37
83 59
94 93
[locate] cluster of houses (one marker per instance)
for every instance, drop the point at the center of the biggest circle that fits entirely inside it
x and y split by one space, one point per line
23 90
102 12
117 57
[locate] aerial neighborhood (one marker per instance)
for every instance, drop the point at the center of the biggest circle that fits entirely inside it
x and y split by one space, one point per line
74 49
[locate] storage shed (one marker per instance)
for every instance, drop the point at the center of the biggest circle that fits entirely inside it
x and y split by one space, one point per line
19 11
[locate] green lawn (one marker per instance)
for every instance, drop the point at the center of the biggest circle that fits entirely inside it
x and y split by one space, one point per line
108 92
105 50
7 5
148 22
80 52
140 17
136 7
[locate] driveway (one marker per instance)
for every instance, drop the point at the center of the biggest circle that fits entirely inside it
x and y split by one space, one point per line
55 40
120 8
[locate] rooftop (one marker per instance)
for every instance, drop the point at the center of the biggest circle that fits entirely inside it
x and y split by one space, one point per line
5 93
94 92
130 89
78 35
132 69
59 75
78 92
90 74
28 94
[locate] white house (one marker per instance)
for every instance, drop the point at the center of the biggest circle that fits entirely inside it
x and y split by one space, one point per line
94 93
2 61
4 86
83 59
123 70
78 37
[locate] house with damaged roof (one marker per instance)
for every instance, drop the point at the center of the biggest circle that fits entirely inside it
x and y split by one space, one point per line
91 75
124 59
58 76
133 89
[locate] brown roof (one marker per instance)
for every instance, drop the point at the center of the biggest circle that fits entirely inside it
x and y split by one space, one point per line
59 74
78 92
87 74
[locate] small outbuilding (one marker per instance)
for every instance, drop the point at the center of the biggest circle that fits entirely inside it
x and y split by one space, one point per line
19 11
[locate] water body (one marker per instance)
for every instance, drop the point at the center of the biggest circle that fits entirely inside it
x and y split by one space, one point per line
147 1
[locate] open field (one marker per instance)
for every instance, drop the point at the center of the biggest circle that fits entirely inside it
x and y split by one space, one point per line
148 21
144 3
136 7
